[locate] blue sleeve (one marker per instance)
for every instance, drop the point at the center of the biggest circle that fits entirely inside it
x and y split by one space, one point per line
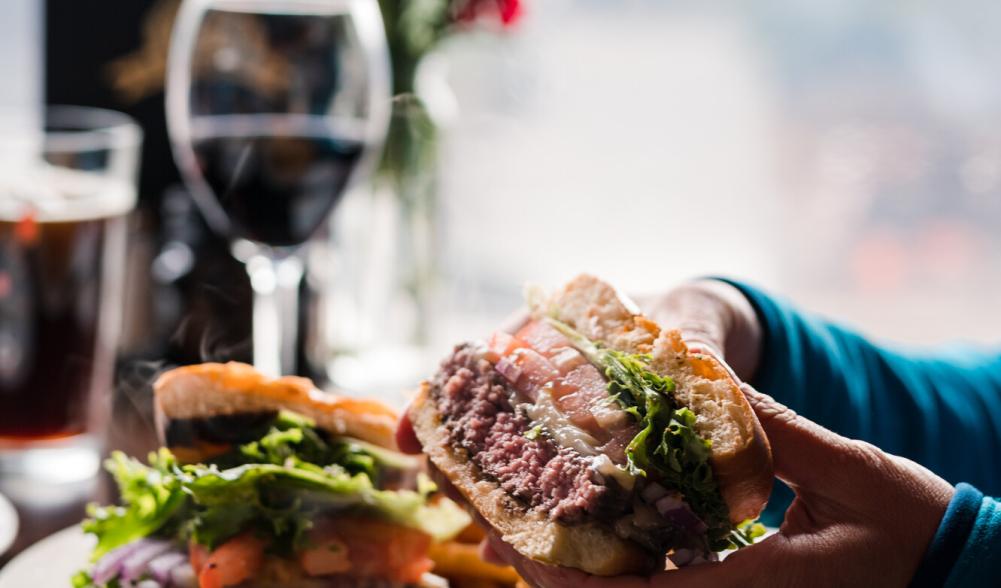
966 548
941 410
979 563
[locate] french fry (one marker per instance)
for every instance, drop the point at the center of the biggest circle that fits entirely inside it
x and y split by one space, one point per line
462 582
462 561
521 584
473 533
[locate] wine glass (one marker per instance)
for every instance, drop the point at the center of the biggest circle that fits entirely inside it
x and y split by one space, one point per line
274 108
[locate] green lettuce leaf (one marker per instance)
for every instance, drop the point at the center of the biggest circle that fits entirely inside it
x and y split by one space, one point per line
276 485
288 496
151 495
81 579
294 436
667 448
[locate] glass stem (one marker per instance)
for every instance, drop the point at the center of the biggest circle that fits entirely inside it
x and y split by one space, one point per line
275 280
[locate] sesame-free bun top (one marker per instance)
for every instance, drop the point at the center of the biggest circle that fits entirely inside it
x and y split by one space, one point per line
213 389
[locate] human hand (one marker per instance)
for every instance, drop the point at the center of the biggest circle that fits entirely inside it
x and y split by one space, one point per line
861 517
713 317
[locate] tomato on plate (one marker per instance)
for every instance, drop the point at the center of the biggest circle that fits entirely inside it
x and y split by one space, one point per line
233 562
372 549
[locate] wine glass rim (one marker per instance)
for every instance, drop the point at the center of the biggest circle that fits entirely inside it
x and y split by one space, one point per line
277 6
71 129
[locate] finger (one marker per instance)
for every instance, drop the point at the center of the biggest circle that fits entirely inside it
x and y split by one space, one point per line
699 340
694 310
445 485
740 569
762 564
488 554
542 575
804 454
406 438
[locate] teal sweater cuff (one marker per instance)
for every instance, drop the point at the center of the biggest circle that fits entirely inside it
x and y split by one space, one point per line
979 563
950 538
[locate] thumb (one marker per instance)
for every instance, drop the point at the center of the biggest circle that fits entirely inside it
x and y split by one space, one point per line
804 453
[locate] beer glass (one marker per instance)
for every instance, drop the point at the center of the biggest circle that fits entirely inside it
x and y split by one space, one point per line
64 197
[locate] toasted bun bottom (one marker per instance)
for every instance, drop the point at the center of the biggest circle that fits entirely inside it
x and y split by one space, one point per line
592 548
213 389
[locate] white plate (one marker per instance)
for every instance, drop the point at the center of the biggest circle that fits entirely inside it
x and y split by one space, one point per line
51 562
8 524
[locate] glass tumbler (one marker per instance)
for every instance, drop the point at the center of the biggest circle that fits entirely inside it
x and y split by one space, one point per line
64 198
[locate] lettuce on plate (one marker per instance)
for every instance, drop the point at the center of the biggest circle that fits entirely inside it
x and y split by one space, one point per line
277 486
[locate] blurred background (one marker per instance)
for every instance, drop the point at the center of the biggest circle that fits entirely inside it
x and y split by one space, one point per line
846 154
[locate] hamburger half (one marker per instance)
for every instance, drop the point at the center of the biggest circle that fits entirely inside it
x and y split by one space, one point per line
267 483
591 438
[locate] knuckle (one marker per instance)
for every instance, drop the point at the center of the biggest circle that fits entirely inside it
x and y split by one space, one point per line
867 456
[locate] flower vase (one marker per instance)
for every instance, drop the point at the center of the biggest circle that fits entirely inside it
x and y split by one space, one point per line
378 269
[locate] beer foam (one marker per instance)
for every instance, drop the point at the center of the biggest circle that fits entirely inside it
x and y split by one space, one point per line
55 194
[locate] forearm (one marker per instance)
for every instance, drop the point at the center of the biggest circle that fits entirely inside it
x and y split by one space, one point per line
942 411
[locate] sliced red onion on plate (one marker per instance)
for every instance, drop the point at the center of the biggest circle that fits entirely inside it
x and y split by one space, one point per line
183 576
134 566
161 566
108 566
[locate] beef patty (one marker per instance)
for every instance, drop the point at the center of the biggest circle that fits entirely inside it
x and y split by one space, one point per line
478 410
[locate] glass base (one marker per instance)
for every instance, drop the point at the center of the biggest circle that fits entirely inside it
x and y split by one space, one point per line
44 472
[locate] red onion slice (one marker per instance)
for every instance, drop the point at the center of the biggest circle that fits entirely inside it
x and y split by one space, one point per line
183 577
653 492
670 502
108 566
135 564
160 566
677 512
508 369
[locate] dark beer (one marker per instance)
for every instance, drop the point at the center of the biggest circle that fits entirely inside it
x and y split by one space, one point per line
58 278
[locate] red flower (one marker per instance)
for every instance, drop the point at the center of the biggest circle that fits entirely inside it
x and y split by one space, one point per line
469 10
510 10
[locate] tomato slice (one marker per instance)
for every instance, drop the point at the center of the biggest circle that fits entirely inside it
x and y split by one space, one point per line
544 357
325 556
501 344
536 371
233 562
373 549
542 337
197 554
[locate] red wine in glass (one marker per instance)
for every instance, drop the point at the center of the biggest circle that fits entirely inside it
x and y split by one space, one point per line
277 186
275 108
